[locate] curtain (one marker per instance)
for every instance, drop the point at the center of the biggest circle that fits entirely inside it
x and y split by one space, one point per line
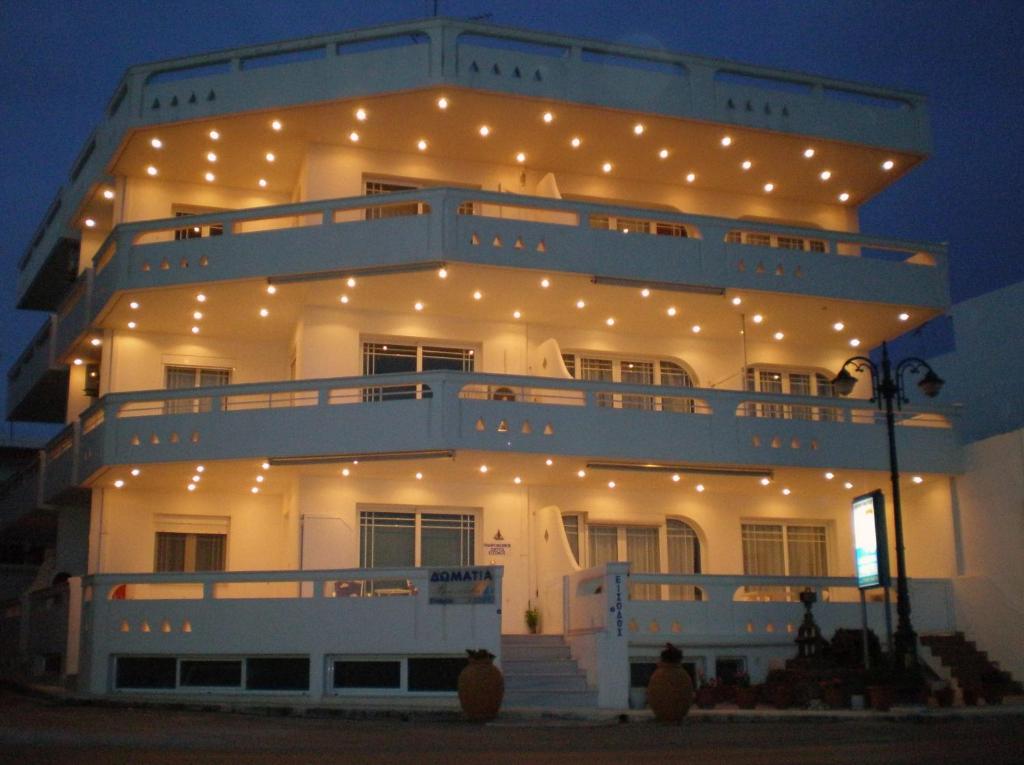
642 553
683 558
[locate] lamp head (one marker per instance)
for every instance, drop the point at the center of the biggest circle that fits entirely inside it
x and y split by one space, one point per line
844 382
930 384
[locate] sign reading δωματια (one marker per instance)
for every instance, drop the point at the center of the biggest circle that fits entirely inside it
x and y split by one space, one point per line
466 586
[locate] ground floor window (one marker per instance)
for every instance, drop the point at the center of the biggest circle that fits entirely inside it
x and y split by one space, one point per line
408 538
781 549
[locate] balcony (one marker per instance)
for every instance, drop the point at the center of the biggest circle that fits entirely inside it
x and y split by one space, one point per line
463 55
443 412
37 383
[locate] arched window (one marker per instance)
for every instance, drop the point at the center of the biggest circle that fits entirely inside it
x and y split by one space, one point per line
683 558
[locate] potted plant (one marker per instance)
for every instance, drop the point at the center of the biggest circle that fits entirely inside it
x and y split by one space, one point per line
532 616
481 686
706 695
670 690
746 695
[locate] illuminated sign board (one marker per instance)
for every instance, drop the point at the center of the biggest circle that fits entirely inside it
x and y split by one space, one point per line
871 551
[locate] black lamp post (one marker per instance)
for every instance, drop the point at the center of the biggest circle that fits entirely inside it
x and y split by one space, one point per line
888 388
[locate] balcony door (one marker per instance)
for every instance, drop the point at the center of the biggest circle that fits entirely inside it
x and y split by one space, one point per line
409 358
182 378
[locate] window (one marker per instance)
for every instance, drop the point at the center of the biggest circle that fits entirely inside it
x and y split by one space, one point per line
637 372
392 358
683 558
181 378
571 524
628 225
779 549
375 187
196 232
404 539
188 552
636 544
794 383
780 241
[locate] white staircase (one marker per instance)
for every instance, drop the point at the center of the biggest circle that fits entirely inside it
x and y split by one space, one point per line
540 672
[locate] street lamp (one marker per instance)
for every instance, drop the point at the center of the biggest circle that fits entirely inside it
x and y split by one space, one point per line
887 387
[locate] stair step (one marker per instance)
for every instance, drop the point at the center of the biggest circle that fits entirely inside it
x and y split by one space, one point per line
544 652
532 640
538 667
549 683
550 700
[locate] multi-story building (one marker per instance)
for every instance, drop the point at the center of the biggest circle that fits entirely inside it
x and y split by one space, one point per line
334 318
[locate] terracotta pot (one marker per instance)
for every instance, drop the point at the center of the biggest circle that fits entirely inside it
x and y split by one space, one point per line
746 697
481 689
880 697
669 692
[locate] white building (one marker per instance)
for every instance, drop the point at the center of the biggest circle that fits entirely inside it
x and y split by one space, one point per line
443 296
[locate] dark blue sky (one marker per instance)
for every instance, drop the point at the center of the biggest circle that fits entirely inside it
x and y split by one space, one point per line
60 61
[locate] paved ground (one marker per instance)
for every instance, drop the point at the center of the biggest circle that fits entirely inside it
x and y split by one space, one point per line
37 732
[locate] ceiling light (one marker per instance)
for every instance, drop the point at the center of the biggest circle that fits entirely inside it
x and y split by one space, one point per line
779 335
275 125
516 315
699 487
645 292
610 321
903 316
361 115
548 117
757 318
151 170
695 328
271 289
611 484
419 476
270 156
854 342
421 144
520 158
132 325
264 466
136 472
844 197
346 472
825 175
351 282
847 485
663 153
888 165
549 462
737 300
484 131
483 468
726 140
259 479
442 103
89 223
477 295
95 341
211 156
638 129
581 304
917 479
786 492
195 330
747 164
210 177
134 305
118 483
197 478
517 480
202 468
676 478
262 182
808 153
545 283
343 298
765 481
255 489
442 273
607 167
264 313
78 362
581 473
156 143
769 188
108 193
353 137
838 326
829 475
691 177
575 142
671 310
418 306
214 135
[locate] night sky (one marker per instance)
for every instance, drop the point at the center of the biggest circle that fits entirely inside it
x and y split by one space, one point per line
61 60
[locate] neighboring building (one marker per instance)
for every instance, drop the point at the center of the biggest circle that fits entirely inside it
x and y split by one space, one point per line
442 296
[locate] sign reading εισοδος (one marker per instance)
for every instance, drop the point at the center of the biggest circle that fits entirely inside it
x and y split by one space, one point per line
453 586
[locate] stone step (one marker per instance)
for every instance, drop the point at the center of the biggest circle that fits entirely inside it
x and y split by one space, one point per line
552 683
538 667
543 652
532 640
550 700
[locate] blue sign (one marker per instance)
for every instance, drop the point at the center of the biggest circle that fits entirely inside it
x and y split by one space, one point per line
460 586
871 550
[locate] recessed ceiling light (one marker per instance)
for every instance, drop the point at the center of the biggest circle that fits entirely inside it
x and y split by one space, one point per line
838 326
695 328
645 292
671 311
132 325
747 164
202 468
549 462
276 125
134 305
264 312
156 143
516 315
361 115
786 492
699 487
442 273
136 472
255 489
195 330
151 170
847 485
888 165
421 144
606 167
808 152
211 156
78 362
765 481
757 318
353 137
418 306
903 316
351 282
737 300
259 479
262 182
844 197
726 140
676 478
517 480
485 131
483 468
825 175
95 342
419 476
214 135
545 283
108 193
271 289
917 479
769 188
520 157
610 321
346 472
478 295
548 117
638 129
442 103
663 154
581 303
270 156
691 177
581 473
855 342
118 483
210 177
575 142
89 223
263 466
611 484
343 298
779 335
829 475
